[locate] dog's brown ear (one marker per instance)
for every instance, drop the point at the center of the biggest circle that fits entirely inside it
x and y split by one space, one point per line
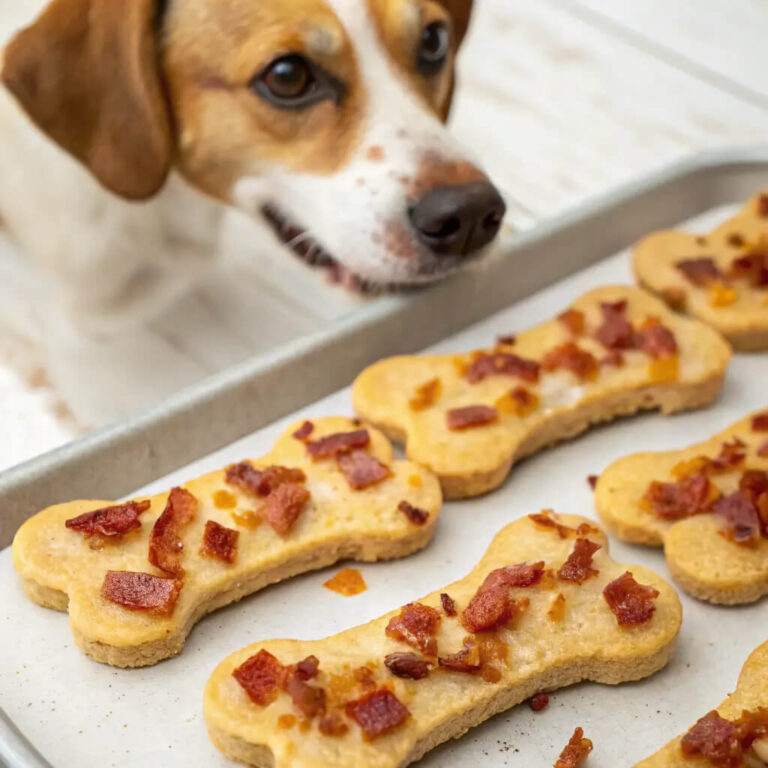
461 12
86 72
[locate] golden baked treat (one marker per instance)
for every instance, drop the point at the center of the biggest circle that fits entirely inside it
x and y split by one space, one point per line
137 576
720 278
468 418
707 505
733 736
546 607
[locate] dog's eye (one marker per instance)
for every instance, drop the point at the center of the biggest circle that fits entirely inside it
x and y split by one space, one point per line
293 82
434 47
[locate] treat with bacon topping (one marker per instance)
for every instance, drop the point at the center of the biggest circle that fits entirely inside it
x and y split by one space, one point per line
417 675
616 350
721 279
735 735
138 575
706 504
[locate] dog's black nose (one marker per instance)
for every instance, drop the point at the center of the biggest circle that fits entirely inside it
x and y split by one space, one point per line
457 220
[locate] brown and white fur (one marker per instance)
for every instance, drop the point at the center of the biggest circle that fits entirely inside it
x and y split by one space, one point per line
127 126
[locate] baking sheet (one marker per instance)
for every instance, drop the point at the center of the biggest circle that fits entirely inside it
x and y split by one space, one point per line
79 713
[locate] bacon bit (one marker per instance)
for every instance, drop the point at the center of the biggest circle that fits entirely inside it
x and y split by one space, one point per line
426 395
630 602
348 582
762 451
417 626
308 699
219 542
407 665
573 320
224 500
448 603
571 357
701 271
141 591
592 480
333 446
414 514
377 713
364 676
261 677
362 470
332 725
261 482
664 369
685 498
511 576
732 454
716 740
110 522
721 295
754 483
165 544
576 752
760 422
517 402
752 266
539 702
470 417
616 332
304 431
248 519
490 609
308 668
656 340
502 364
578 567
508 340
742 521
546 519
556 611
284 505
466 660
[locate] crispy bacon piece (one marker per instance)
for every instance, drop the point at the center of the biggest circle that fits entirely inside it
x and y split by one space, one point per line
578 567
261 676
470 417
377 713
509 576
426 395
219 542
762 451
716 740
414 514
138 591
407 665
332 725
546 519
304 431
571 357
754 483
573 320
332 446
656 340
760 422
261 482
467 660
576 751
448 603
592 481
732 453
362 470
701 271
507 339
630 602
165 545
308 699
616 332
492 606
674 501
742 520
110 522
308 668
416 625
752 265
539 702
284 505
502 364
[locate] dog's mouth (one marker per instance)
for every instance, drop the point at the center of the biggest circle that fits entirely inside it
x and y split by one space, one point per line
307 248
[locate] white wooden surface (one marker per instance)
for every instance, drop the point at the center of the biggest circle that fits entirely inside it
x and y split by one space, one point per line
562 99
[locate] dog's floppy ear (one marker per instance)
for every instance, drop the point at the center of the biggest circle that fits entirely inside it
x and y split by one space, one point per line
461 12
87 73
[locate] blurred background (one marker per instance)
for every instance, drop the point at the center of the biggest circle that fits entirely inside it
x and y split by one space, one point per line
561 99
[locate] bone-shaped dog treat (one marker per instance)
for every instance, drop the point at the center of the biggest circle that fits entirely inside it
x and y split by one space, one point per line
546 607
720 278
733 736
708 506
468 418
137 577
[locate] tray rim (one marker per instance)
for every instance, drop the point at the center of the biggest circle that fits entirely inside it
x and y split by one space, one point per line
17 484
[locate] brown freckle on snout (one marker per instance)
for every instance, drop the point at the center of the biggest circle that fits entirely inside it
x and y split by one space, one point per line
435 171
375 153
399 241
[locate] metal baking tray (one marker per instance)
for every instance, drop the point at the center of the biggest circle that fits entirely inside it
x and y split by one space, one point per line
59 709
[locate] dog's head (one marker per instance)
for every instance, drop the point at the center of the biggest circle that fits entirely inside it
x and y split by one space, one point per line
324 117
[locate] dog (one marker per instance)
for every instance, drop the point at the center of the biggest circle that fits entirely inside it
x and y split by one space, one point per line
128 127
